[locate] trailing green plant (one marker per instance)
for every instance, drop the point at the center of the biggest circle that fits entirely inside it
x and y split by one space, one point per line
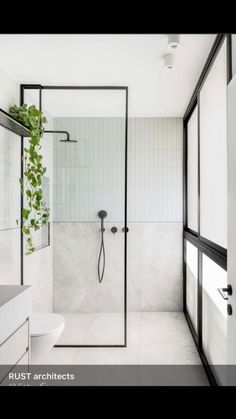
35 213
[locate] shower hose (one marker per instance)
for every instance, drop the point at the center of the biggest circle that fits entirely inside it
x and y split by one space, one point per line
102 256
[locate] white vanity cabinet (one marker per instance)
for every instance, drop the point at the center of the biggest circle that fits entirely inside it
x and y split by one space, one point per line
15 310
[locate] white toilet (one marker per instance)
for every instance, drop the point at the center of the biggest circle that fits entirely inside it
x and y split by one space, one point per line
45 330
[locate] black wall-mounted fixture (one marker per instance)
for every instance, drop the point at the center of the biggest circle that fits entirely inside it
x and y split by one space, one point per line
114 230
102 256
68 140
125 229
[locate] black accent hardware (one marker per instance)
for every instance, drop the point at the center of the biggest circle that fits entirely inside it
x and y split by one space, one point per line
114 230
123 229
102 256
68 140
228 290
223 293
229 310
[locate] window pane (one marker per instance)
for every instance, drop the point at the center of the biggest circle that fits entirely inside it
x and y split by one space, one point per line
213 152
191 278
214 314
192 133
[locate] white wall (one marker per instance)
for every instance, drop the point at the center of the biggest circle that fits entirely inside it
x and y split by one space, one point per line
38 266
88 176
10 145
234 53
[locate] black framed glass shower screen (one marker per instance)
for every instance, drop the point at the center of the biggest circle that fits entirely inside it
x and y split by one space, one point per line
87 174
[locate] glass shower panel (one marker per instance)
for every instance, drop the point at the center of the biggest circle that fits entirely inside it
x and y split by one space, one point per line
88 176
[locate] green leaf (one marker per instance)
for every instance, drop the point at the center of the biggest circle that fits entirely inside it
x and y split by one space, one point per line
29 193
25 213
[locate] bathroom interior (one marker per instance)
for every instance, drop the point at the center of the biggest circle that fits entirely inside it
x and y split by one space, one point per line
135 265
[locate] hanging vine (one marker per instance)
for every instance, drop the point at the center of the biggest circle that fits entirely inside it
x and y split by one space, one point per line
35 213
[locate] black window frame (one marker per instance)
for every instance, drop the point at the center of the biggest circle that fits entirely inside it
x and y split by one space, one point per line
204 246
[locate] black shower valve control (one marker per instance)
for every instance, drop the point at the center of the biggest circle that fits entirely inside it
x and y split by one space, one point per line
127 230
114 230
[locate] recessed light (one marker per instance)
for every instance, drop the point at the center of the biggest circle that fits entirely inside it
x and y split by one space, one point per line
173 40
169 61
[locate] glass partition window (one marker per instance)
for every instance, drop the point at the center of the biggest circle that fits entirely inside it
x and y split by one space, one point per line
192 176
192 282
213 152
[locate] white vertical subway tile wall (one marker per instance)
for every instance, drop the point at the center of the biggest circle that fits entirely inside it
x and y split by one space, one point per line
90 173
89 176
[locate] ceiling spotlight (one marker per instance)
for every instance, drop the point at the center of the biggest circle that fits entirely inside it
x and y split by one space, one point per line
169 61
173 40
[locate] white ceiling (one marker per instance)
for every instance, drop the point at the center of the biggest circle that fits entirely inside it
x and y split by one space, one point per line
132 60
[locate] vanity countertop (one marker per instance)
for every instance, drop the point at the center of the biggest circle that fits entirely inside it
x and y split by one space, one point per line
8 292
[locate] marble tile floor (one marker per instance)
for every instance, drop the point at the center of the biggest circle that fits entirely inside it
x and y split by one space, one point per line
152 338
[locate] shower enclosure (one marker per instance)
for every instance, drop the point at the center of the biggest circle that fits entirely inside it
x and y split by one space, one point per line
87 132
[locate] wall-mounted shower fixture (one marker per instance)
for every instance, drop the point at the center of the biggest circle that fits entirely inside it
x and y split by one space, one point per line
114 230
68 140
102 256
123 229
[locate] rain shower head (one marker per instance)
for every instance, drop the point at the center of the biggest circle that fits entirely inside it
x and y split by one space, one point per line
67 140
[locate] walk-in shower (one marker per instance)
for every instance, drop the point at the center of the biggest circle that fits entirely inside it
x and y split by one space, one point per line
88 257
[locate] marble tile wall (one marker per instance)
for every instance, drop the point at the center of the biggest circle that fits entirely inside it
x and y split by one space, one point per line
88 176
154 267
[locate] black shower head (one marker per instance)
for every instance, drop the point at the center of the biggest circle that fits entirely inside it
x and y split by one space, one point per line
102 214
67 140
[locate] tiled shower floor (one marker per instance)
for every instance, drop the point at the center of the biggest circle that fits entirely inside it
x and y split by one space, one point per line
153 338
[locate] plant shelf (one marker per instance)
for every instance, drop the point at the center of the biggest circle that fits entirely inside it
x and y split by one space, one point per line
13 125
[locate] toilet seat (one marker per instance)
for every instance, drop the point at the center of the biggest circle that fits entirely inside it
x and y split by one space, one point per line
45 323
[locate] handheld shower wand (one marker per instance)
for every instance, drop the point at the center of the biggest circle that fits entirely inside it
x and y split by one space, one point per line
102 256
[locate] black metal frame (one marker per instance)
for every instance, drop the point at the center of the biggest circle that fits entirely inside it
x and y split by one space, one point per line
125 89
215 252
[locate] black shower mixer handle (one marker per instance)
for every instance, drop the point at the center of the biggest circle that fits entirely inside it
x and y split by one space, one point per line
114 230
